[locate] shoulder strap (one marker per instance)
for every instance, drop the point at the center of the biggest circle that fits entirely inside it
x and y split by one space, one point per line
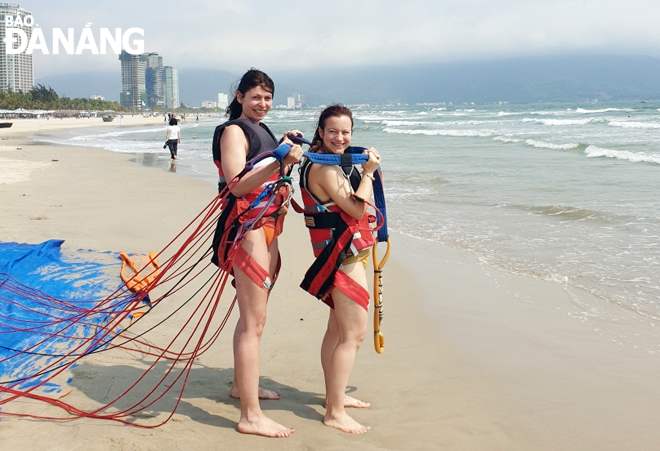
254 143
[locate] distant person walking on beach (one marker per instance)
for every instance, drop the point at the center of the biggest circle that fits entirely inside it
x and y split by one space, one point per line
173 137
334 200
257 261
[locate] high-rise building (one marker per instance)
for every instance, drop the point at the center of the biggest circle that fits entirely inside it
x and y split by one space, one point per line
223 101
154 81
171 79
133 80
16 70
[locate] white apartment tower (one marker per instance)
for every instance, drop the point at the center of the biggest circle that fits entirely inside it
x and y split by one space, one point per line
16 71
171 81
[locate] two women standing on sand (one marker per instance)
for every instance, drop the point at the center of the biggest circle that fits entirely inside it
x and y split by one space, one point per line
256 263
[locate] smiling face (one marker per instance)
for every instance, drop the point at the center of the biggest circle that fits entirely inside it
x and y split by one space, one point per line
336 134
256 103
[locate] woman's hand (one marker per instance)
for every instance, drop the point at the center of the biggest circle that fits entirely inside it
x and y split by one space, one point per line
374 161
292 132
294 155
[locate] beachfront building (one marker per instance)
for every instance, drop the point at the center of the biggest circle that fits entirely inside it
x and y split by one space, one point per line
171 79
296 101
133 80
223 101
16 70
155 84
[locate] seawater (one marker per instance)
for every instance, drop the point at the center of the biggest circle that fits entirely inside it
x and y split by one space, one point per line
565 193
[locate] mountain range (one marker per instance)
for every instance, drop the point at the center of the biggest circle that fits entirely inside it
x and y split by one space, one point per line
517 80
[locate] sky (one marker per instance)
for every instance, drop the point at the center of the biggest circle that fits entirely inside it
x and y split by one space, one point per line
287 35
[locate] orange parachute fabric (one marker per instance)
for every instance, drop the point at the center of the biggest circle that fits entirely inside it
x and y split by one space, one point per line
139 271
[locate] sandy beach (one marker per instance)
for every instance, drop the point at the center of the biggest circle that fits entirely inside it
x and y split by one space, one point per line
475 359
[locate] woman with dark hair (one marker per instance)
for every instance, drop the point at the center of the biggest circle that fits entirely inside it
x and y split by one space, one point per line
173 137
339 225
257 260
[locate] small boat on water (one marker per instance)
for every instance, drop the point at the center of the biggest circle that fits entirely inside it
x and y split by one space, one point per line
108 118
5 124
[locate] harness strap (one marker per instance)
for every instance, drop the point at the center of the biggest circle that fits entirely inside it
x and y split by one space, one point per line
350 157
255 271
322 220
320 277
351 289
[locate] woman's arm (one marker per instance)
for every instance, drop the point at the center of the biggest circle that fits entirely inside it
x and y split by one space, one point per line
234 150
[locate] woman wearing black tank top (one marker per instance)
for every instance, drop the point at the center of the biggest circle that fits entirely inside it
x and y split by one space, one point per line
253 100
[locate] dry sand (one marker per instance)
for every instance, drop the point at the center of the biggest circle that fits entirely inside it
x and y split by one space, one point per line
476 359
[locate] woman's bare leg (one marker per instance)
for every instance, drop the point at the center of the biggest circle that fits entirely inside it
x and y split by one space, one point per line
252 302
330 340
351 322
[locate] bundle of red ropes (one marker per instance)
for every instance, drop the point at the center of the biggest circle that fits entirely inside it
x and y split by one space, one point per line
201 316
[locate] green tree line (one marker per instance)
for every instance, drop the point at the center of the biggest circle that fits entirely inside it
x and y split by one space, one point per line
42 98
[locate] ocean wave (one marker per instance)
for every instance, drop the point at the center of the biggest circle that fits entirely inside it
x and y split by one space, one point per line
604 110
635 157
507 139
547 145
564 212
457 133
556 122
391 123
532 113
633 124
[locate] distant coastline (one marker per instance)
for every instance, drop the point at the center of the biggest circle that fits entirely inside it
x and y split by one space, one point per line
569 78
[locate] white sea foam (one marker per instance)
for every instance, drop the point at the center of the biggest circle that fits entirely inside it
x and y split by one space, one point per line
559 122
633 124
389 123
547 145
604 110
635 157
458 133
507 139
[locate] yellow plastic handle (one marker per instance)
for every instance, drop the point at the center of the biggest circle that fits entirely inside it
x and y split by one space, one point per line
379 338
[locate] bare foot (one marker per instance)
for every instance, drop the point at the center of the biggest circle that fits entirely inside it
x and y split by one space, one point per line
345 423
264 426
349 401
263 393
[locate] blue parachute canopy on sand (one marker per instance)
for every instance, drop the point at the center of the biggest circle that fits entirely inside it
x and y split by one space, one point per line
41 292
